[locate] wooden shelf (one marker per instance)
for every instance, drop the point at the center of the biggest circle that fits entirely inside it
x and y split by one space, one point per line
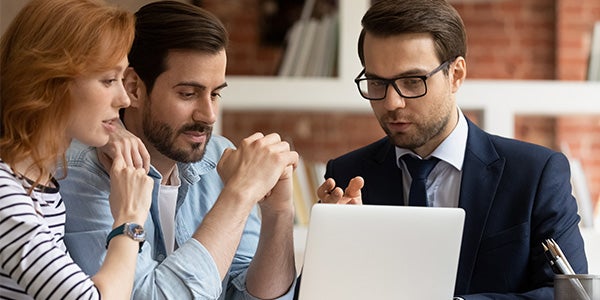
499 100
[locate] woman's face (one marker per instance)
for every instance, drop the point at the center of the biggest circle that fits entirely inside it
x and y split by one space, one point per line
97 99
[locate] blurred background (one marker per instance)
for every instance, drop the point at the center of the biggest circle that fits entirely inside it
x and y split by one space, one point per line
522 41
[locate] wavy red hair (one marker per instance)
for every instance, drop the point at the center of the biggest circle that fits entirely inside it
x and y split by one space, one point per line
47 45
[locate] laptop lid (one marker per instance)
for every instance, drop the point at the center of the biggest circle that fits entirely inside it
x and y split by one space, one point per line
381 252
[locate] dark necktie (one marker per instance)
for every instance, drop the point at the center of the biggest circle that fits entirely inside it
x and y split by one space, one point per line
419 170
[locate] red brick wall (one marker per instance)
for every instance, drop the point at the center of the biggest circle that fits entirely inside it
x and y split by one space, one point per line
575 20
317 136
508 39
245 55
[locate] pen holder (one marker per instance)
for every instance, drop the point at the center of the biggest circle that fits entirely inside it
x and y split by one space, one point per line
576 287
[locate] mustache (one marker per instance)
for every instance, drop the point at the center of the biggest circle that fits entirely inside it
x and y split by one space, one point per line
200 127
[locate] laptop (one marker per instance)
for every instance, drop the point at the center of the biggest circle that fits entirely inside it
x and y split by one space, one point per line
381 252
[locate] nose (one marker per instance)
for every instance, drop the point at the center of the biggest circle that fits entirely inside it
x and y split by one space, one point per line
206 110
122 99
393 100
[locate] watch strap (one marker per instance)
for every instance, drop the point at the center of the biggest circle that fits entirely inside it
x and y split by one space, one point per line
117 231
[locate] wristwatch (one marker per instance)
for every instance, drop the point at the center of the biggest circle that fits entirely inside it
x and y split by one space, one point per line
134 231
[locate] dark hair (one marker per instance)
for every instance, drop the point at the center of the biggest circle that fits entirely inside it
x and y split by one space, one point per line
170 25
437 17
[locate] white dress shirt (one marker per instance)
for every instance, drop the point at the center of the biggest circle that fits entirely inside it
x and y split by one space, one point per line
443 183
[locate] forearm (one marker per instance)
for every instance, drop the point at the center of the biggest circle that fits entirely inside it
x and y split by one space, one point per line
188 273
114 280
222 228
273 270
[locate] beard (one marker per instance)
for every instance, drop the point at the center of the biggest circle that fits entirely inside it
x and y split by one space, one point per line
424 132
163 137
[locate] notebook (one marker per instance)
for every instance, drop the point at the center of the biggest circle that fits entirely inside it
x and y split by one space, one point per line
381 252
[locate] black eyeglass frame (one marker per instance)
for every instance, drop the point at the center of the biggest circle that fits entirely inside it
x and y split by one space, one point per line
392 81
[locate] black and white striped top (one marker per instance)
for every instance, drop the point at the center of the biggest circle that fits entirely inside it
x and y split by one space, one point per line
34 263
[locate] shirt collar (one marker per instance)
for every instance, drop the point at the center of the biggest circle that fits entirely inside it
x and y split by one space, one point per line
452 149
192 172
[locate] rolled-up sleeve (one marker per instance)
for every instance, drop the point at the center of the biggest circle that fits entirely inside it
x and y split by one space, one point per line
173 278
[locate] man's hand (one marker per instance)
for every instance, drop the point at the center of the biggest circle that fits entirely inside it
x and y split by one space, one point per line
280 198
329 193
257 165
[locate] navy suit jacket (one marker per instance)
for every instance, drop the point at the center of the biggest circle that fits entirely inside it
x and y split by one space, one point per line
515 196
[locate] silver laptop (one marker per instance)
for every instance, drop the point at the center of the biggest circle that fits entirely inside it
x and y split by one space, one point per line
381 252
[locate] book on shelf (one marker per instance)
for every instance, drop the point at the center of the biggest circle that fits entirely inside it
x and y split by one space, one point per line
301 215
582 194
307 43
311 45
323 50
594 58
580 188
294 36
307 177
597 215
330 54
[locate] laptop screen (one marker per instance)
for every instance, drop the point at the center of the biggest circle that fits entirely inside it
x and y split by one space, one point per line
381 252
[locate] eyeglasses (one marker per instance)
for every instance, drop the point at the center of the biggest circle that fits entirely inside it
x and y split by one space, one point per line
406 86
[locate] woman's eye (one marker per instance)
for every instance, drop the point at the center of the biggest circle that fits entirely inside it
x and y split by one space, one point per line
109 82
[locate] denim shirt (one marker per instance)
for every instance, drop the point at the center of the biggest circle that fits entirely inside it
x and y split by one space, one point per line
189 272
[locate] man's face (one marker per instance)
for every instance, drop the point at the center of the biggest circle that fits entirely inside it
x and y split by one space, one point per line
179 113
419 124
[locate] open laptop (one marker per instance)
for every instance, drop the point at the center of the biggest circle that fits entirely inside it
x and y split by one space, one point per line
381 252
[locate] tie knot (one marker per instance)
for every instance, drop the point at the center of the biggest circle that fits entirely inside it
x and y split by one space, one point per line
419 168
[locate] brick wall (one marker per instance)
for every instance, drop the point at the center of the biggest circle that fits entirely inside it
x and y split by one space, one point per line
246 54
508 39
575 20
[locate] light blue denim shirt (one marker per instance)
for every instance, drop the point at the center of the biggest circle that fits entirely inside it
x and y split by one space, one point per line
189 272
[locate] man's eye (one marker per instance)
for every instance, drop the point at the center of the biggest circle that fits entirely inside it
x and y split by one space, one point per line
186 95
410 82
376 83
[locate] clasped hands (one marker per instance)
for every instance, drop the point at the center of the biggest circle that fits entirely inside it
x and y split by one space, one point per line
262 166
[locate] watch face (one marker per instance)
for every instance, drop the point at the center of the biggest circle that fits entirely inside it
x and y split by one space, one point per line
136 232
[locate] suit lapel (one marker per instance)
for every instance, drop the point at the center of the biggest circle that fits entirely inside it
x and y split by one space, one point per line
482 171
383 176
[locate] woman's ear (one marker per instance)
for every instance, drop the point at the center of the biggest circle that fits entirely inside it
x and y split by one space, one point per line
133 86
458 73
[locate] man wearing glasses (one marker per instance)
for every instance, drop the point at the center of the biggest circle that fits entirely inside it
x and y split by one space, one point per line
515 194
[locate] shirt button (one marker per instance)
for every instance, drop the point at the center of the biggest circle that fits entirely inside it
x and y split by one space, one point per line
161 257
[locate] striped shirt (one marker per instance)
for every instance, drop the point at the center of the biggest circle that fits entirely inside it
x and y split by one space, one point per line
34 263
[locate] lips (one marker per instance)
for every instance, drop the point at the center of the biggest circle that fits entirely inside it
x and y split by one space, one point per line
398 126
110 124
195 136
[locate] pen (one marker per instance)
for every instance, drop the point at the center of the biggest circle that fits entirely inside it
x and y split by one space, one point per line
551 259
560 265
562 255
